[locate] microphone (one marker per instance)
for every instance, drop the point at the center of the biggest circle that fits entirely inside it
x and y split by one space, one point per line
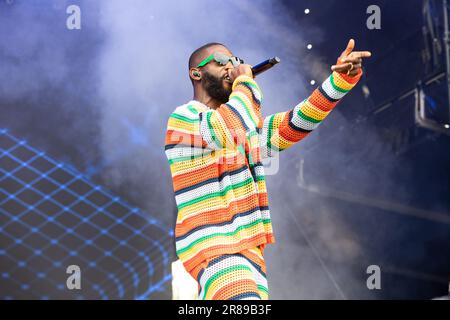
265 65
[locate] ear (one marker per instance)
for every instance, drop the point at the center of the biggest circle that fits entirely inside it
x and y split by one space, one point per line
195 74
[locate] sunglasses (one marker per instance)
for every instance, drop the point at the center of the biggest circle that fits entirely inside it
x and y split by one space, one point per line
222 59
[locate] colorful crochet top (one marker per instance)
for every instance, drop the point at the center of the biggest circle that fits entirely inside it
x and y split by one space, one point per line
215 160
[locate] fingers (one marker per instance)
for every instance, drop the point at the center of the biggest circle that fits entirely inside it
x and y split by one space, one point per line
348 67
351 60
364 54
341 67
349 49
361 54
243 69
357 56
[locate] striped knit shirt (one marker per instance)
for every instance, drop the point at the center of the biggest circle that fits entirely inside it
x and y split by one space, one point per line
215 160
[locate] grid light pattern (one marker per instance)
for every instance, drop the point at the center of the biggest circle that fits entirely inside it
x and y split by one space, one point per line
52 216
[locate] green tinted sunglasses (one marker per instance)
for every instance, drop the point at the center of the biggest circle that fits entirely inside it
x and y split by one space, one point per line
221 59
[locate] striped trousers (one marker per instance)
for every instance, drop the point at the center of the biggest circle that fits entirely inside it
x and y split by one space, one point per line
239 276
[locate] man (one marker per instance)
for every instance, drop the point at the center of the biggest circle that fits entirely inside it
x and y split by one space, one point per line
215 144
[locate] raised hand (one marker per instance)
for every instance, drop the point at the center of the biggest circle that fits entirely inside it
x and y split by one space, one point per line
350 62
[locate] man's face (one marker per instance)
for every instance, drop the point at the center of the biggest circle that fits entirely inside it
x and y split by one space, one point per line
214 76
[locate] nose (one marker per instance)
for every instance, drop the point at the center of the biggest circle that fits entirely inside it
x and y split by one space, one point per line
229 65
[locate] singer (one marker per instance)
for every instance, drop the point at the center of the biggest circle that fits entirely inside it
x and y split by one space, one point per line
215 144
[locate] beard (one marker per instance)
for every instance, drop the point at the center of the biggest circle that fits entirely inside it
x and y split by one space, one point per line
215 88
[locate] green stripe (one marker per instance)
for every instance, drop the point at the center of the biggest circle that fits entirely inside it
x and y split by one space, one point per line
226 234
305 117
246 109
193 157
223 272
251 84
211 130
250 159
241 149
262 288
255 86
192 109
269 133
335 86
276 149
215 194
183 118
260 178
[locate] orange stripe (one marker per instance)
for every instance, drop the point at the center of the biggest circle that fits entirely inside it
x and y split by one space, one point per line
263 199
177 137
234 288
319 101
214 170
233 123
196 270
256 108
218 215
352 80
255 258
227 249
290 134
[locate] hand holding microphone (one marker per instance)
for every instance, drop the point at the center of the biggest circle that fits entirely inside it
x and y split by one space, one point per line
248 70
242 69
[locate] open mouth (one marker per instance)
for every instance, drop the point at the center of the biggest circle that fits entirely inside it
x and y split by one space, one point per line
227 79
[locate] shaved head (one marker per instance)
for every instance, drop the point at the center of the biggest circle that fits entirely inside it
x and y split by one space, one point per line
211 82
199 54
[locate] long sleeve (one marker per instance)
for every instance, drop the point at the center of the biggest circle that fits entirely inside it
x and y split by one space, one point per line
217 173
228 125
282 130
194 130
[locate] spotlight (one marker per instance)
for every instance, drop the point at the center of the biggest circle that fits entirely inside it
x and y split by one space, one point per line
312 82
447 126
307 11
309 46
366 91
